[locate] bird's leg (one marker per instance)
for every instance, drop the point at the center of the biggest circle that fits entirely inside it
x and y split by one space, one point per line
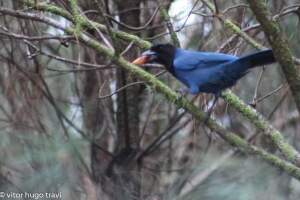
208 114
182 92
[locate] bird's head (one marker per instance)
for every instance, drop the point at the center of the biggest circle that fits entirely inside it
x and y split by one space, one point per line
160 53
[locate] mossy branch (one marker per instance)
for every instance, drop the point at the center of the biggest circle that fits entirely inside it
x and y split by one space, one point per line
233 27
165 15
230 25
279 45
76 16
87 24
276 39
254 117
262 124
181 102
289 152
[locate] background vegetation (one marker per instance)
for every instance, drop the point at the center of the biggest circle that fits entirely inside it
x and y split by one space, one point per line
74 120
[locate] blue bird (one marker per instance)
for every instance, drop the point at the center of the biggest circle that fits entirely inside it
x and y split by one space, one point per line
206 72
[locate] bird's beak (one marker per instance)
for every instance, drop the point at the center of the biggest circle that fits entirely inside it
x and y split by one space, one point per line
141 60
146 57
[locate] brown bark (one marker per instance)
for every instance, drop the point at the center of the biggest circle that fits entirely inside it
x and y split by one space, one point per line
129 99
124 170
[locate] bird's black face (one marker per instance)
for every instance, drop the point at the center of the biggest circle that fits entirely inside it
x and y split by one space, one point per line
160 53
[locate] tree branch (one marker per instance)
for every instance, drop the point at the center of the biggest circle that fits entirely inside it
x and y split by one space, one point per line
181 102
165 15
279 45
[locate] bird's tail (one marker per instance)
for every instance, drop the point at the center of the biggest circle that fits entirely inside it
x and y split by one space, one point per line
240 67
257 59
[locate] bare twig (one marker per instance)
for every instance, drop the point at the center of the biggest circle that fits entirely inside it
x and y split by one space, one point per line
66 60
254 102
135 28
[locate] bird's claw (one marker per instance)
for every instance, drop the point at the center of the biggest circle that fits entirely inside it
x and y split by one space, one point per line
182 92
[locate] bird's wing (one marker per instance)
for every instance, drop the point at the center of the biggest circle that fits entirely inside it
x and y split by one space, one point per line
190 60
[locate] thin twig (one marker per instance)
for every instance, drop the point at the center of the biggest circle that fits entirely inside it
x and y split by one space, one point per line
188 16
37 38
118 90
66 60
271 93
254 102
234 7
123 87
135 28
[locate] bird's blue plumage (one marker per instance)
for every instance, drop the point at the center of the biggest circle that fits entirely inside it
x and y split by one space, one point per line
213 72
204 71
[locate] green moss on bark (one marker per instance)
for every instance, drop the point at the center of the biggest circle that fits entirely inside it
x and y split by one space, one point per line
279 45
